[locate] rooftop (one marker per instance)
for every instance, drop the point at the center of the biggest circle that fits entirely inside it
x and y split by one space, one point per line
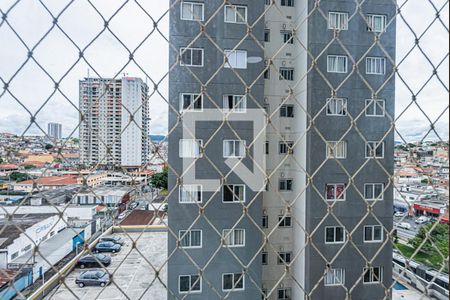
52 180
142 217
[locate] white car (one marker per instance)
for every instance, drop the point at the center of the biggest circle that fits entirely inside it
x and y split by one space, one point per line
422 220
404 225
399 214
122 215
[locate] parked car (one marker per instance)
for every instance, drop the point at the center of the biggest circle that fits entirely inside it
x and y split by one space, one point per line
92 277
399 214
122 215
404 225
107 247
93 261
422 220
112 238
133 205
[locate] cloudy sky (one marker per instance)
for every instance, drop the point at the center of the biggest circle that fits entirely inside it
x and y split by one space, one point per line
57 56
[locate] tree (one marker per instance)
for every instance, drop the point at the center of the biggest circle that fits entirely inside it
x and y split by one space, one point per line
1 160
27 167
159 180
48 146
439 236
18 176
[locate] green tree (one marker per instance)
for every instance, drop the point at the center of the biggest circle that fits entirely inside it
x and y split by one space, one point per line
48 146
1 160
18 176
159 180
439 236
27 167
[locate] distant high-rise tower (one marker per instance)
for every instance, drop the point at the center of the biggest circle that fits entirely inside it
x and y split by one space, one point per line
54 130
114 121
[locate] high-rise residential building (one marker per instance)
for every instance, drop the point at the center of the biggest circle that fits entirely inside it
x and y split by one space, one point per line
54 130
114 121
323 75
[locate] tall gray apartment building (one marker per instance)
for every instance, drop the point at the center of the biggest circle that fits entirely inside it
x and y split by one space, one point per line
322 72
114 121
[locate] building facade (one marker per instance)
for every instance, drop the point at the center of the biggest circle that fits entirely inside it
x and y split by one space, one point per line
114 121
54 130
325 83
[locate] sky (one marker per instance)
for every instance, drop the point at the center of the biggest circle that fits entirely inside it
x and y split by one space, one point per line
57 56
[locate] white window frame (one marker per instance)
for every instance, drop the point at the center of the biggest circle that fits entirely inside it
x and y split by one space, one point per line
370 21
189 234
184 49
287 78
372 238
239 103
331 70
374 146
287 3
371 275
335 186
190 284
266 255
287 36
233 10
372 64
373 105
332 146
373 191
266 35
190 189
194 98
287 293
331 277
286 147
234 194
334 102
334 235
232 237
237 148
232 57
281 257
197 142
338 18
233 288
192 4
282 221
284 111
286 179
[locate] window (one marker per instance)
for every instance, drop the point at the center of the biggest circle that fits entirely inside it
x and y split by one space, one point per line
284 257
264 258
191 102
233 281
190 193
373 191
335 191
284 221
236 59
192 11
286 147
337 149
337 64
287 36
287 111
375 107
375 149
286 74
287 3
266 147
233 148
189 284
234 103
373 275
336 107
265 221
234 193
234 237
375 65
266 73
334 277
334 234
266 35
376 23
14 255
190 238
190 148
284 294
285 185
28 247
373 233
191 57
337 20
235 14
